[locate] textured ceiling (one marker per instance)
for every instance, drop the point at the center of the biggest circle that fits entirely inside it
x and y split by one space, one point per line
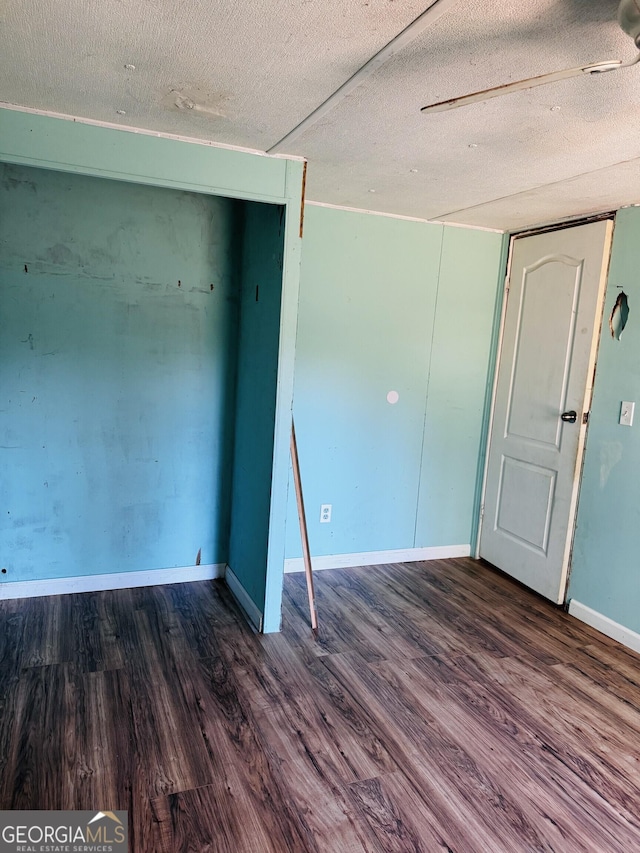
257 68
247 73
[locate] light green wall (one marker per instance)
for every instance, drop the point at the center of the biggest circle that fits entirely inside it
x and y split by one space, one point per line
37 140
458 393
261 292
387 305
391 305
70 146
118 334
605 572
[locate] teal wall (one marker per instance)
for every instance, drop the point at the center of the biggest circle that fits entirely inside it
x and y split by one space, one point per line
261 291
143 159
53 143
385 305
605 574
391 305
458 395
117 382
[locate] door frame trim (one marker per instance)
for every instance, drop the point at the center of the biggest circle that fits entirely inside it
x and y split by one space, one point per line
593 356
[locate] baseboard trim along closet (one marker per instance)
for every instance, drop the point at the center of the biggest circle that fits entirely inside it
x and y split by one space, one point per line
378 558
251 611
117 580
605 625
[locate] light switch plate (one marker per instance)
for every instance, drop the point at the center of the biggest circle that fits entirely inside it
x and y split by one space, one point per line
626 413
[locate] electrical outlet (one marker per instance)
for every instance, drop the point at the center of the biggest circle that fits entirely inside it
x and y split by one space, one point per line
626 413
325 513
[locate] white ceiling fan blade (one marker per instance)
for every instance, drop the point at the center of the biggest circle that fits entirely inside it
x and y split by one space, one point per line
529 83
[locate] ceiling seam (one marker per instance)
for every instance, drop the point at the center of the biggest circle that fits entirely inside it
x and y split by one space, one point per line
538 187
397 43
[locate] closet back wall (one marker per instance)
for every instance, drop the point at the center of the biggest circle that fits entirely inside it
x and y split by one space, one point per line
118 328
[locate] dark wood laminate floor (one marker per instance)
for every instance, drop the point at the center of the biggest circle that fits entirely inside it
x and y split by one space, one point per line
443 708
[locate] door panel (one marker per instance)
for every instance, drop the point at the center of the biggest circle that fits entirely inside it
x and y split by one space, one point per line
553 309
527 520
548 298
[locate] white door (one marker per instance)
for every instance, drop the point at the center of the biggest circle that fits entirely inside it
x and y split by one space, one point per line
545 374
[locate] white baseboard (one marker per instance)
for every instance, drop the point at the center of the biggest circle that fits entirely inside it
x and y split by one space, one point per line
377 558
605 625
251 611
117 580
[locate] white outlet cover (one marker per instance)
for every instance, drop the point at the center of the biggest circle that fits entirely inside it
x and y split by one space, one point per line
325 513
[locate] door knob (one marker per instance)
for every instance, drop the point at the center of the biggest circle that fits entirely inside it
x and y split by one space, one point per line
569 417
